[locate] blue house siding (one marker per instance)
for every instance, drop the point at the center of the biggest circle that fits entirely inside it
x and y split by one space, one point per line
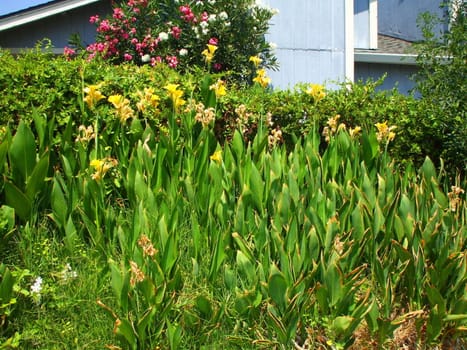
310 39
398 76
57 28
398 18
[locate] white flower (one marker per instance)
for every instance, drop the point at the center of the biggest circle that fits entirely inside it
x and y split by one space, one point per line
67 273
199 3
272 46
227 24
212 18
163 36
223 15
36 288
204 25
146 58
183 52
275 11
212 2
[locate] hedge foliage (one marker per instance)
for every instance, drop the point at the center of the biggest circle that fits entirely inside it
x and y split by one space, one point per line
50 85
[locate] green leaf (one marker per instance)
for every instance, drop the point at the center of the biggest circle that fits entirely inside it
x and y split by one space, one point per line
277 288
59 204
35 182
23 152
256 186
18 201
341 324
125 330
204 307
246 266
237 146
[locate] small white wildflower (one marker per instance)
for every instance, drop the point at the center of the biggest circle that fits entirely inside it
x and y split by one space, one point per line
205 31
212 2
272 46
212 18
36 288
146 58
199 3
204 25
183 52
275 11
227 24
223 15
68 273
163 36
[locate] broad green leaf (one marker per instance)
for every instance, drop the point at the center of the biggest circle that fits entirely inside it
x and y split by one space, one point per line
125 330
428 170
170 254
277 288
243 245
246 266
237 146
59 204
341 324
174 333
333 284
18 201
23 152
256 186
204 306
6 285
36 182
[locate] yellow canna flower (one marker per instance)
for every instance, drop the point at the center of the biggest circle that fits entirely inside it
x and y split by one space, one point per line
101 167
93 95
122 107
219 88
217 157
209 52
316 91
385 132
148 99
175 95
256 60
261 78
355 131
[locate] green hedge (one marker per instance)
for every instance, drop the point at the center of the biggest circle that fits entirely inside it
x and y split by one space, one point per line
53 86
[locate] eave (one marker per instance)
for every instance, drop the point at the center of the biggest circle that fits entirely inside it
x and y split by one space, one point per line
38 13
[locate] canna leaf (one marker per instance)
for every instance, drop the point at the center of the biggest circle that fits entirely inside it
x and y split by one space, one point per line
59 204
277 288
23 152
16 199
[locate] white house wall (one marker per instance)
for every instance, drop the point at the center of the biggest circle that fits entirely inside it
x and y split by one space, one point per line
311 41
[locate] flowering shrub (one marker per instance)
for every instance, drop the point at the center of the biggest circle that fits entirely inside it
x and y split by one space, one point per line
221 34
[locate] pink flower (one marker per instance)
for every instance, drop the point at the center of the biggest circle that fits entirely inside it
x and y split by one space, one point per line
118 13
127 57
68 52
213 41
104 26
217 67
172 61
94 19
204 17
155 60
188 15
176 31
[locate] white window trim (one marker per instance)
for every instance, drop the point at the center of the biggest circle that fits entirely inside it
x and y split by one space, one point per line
373 23
349 40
